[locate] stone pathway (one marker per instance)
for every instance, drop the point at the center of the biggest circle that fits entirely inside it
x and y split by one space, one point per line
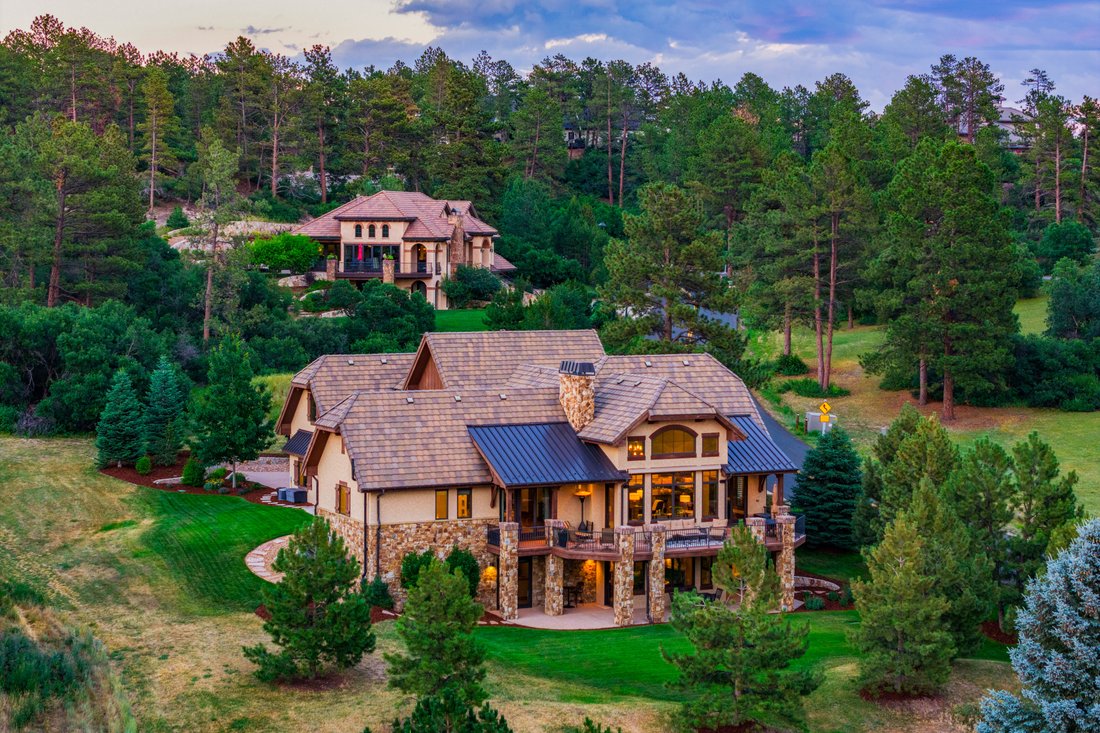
260 559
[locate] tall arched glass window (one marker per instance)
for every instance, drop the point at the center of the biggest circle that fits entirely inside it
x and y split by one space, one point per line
385 231
358 231
370 231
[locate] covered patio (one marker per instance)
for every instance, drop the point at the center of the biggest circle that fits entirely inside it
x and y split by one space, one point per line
586 616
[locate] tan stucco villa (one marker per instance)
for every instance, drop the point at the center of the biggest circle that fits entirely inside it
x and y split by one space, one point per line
574 476
405 238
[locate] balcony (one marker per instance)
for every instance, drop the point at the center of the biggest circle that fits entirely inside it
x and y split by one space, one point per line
371 267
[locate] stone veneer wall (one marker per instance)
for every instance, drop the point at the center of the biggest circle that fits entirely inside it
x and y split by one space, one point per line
538 581
509 570
624 577
400 539
577 395
554 601
784 562
657 572
583 572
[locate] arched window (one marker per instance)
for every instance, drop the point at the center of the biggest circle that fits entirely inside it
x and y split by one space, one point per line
385 231
673 442
370 231
358 231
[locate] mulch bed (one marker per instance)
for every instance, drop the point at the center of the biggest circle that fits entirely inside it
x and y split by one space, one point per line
130 475
993 631
821 593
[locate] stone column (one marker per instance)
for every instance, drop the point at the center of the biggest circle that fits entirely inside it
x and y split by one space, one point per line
623 589
509 570
554 584
657 572
387 271
330 269
784 563
756 525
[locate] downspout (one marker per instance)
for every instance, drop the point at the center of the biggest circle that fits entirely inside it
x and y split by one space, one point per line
378 533
363 576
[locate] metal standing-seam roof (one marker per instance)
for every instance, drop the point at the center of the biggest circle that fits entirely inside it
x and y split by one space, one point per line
538 454
757 453
298 444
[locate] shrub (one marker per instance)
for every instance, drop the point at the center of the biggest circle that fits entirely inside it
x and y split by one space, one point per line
464 560
223 490
813 602
212 485
193 473
377 593
294 252
810 388
342 295
833 596
470 283
236 478
589 726
789 365
177 219
9 415
144 465
1068 239
218 473
412 564
846 597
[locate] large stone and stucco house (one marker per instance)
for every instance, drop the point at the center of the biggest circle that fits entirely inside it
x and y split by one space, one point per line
404 238
574 476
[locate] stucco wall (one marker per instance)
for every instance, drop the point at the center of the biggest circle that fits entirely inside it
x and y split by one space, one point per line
333 467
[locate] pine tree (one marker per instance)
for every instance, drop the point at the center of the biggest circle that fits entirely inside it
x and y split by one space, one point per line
927 453
318 617
441 652
118 434
982 491
446 712
740 667
1056 658
827 489
963 573
1045 502
163 426
231 422
903 638
159 124
867 522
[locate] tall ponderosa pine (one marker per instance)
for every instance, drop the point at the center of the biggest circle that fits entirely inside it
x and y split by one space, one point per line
219 205
1056 657
962 572
437 628
740 667
903 638
118 434
159 124
231 422
827 490
318 617
163 426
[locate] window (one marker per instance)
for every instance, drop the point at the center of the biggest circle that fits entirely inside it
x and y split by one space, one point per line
710 444
385 231
706 575
635 499
343 498
358 231
673 442
311 407
680 572
673 495
465 504
371 231
441 504
710 494
635 449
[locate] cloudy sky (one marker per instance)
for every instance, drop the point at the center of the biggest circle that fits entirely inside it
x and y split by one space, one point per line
877 42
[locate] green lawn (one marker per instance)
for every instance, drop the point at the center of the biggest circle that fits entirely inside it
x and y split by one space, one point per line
460 320
1032 313
845 566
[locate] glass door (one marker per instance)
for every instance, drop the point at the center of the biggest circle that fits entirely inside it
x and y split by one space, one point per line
534 506
523 589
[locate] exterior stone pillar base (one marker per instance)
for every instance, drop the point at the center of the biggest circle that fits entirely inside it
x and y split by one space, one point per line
387 271
756 525
624 577
509 571
330 269
555 574
784 564
657 573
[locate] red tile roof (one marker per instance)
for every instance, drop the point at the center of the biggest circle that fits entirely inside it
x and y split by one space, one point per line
428 217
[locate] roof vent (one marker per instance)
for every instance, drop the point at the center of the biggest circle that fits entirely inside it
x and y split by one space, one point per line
503 396
351 362
409 400
687 362
620 380
648 363
577 368
387 361
458 398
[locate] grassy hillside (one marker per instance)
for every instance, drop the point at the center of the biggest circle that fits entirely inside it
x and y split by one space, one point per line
160 579
460 320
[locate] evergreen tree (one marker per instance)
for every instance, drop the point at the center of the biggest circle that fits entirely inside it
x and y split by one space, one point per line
1045 502
231 422
962 572
446 712
159 125
827 489
927 453
982 491
903 638
163 426
739 670
441 653
1073 311
118 434
867 522
318 617
1056 657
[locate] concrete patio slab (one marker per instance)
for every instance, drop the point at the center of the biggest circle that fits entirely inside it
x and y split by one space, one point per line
585 616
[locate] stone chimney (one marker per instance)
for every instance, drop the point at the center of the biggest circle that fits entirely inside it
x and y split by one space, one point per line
577 392
387 270
456 248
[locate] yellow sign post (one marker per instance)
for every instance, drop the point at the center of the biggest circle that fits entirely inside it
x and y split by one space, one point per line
824 408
